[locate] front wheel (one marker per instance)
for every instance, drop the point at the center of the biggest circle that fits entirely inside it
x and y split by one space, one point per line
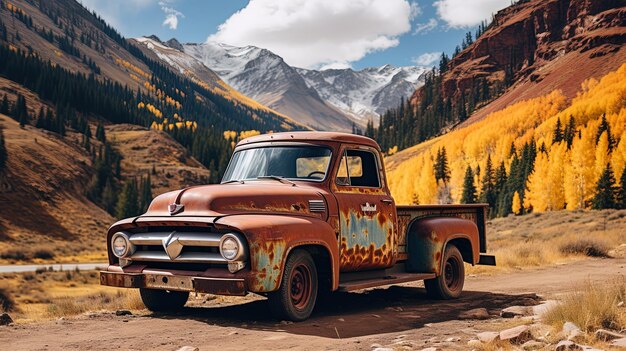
449 284
295 298
163 300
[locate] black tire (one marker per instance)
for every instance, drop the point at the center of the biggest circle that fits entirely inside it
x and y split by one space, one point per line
295 298
449 284
163 300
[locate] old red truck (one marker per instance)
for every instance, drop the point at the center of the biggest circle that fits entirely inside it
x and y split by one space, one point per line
296 215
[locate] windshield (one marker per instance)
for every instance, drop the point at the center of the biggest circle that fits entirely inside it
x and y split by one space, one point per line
289 162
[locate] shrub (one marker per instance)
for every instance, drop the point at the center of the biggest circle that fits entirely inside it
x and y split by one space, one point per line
592 307
7 304
587 247
43 254
16 255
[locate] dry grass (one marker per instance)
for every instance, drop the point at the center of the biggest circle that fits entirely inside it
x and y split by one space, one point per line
541 239
591 307
44 295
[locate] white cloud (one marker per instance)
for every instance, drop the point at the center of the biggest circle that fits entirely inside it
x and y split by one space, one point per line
467 13
423 28
313 34
171 14
427 59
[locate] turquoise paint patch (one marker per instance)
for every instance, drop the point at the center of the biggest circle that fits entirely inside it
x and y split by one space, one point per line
364 231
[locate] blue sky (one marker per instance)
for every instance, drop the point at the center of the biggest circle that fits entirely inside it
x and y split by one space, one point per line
311 33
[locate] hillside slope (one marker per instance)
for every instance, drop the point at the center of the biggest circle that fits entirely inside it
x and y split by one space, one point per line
551 151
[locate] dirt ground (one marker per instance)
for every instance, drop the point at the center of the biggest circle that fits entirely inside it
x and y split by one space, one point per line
392 317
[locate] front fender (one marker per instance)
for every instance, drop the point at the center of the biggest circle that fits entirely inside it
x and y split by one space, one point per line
272 237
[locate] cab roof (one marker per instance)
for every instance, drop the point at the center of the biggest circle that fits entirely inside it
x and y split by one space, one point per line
311 136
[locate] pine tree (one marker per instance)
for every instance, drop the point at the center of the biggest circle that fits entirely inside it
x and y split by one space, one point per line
606 191
487 190
100 134
442 170
146 193
4 107
469 188
127 203
557 135
622 190
3 153
605 127
570 132
109 197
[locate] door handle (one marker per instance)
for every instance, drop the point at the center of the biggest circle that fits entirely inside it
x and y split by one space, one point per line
386 201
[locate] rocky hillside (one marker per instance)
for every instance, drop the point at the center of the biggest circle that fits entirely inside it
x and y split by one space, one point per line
540 46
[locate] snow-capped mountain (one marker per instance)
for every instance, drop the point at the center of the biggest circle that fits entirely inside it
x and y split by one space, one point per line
330 99
367 93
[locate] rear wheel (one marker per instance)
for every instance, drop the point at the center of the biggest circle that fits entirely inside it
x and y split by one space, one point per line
295 298
163 300
449 283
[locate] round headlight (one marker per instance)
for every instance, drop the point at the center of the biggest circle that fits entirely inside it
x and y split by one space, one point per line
120 245
229 248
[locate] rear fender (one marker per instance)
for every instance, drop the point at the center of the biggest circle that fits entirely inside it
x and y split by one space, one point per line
272 237
428 237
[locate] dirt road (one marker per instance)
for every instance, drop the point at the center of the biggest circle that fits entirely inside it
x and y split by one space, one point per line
348 321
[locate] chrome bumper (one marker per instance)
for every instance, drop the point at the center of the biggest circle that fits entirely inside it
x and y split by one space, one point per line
218 286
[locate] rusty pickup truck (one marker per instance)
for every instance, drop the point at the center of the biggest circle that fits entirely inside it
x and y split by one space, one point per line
296 216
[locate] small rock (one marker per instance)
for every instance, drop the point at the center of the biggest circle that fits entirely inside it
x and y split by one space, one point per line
375 346
514 311
474 343
430 349
607 335
571 331
453 339
566 345
5 319
543 307
476 313
341 319
383 349
487 336
533 345
123 313
394 309
620 304
188 348
517 335
619 342
285 322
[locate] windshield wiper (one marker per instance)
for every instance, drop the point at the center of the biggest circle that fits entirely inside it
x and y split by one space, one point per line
233 181
279 178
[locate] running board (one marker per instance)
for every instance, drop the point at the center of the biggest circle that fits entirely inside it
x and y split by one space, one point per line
387 280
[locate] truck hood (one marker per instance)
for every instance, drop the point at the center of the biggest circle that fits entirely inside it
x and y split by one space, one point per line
236 198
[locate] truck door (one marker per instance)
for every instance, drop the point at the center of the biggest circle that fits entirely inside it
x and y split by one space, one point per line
367 213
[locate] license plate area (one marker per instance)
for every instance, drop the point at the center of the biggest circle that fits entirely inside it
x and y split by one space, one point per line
169 282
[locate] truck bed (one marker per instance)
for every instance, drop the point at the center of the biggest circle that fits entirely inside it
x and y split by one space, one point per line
474 212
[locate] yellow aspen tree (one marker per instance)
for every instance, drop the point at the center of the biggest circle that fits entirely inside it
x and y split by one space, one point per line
579 171
517 204
537 195
618 160
427 184
557 157
602 155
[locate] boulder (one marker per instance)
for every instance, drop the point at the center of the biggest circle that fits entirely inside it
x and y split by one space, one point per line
5 319
567 345
476 313
487 336
517 335
607 335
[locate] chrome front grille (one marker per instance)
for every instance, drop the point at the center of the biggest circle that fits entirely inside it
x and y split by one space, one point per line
173 246
317 206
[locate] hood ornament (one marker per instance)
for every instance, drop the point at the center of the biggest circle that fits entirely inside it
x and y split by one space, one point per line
175 208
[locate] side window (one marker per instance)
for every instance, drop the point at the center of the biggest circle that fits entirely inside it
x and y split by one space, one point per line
358 168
